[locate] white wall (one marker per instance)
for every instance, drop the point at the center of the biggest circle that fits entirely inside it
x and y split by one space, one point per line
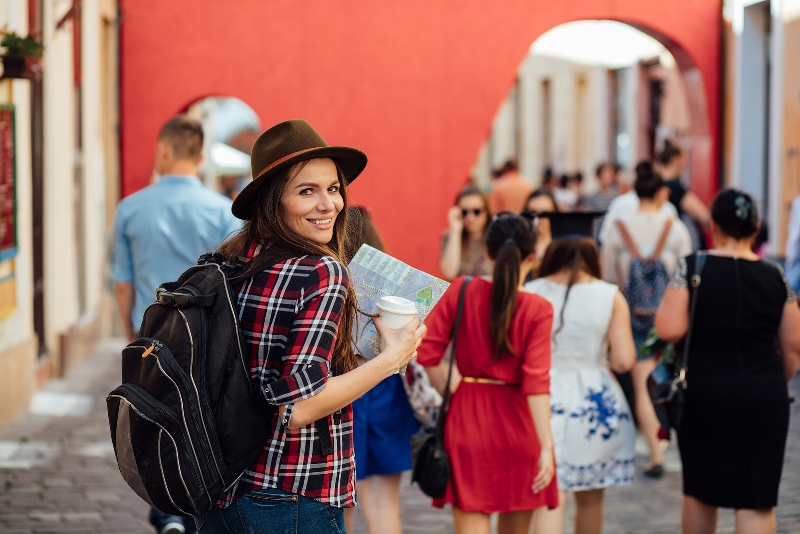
750 102
93 163
60 247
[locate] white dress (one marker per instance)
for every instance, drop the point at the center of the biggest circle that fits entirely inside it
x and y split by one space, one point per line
592 425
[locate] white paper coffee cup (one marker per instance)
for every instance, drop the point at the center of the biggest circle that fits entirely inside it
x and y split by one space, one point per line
396 312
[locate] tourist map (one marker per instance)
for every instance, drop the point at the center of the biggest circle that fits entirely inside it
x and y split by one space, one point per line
374 275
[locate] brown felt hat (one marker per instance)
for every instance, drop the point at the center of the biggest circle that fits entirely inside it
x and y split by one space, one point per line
282 146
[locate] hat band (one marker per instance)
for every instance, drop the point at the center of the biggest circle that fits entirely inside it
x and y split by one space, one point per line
284 158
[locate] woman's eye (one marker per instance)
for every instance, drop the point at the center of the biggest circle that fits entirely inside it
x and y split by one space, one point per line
306 192
334 189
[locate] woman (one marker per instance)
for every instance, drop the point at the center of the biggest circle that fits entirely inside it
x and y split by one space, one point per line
645 229
498 428
542 201
383 423
295 319
745 346
691 209
593 430
463 249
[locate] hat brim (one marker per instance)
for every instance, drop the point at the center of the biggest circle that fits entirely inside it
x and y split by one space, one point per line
351 160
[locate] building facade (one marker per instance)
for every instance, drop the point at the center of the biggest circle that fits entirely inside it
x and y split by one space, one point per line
55 301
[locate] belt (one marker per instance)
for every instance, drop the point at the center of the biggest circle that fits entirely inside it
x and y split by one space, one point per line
493 381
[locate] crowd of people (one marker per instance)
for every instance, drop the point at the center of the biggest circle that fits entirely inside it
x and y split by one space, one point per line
561 290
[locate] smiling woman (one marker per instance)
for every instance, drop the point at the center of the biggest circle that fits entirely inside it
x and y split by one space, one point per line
313 199
296 319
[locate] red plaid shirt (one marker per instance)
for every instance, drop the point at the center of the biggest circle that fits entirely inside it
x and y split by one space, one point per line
289 315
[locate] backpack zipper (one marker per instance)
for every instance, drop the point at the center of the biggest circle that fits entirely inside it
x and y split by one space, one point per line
166 358
132 389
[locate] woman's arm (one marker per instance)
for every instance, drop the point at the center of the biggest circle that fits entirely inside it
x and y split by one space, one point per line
692 205
438 375
789 338
540 412
450 260
672 317
398 347
622 350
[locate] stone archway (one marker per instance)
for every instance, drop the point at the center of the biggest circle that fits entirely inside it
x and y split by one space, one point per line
414 84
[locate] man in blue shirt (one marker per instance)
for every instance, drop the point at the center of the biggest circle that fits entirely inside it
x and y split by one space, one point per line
161 231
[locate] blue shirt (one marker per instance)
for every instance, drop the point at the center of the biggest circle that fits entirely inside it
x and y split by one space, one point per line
162 230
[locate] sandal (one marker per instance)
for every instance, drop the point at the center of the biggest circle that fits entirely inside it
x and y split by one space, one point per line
656 471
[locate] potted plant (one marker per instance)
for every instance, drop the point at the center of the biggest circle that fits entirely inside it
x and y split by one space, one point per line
18 53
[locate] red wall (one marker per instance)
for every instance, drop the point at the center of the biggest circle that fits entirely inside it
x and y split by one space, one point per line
415 84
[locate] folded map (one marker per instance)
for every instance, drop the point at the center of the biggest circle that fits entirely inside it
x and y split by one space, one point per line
375 274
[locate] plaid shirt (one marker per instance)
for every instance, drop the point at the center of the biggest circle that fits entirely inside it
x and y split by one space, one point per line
289 315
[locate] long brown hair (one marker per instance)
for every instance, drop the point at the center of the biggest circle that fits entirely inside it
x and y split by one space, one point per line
362 231
473 191
509 239
279 243
577 254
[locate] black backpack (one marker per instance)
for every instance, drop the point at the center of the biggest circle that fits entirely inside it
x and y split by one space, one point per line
187 421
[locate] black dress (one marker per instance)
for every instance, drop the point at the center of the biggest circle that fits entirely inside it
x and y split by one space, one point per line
733 435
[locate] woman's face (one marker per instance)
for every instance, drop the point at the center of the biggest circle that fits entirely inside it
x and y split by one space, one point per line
541 204
473 213
312 199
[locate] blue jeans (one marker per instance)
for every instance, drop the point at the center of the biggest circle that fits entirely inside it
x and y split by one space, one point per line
274 511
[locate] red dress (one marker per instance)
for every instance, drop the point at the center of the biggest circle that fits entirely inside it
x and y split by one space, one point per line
489 434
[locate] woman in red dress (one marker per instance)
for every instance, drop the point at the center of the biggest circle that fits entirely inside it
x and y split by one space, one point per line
498 428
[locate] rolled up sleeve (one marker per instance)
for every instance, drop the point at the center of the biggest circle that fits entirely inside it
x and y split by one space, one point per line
311 339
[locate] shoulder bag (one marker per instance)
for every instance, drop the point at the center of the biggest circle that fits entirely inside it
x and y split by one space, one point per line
667 383
431 466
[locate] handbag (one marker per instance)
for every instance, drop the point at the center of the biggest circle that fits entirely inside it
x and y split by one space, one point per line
667 383
431 466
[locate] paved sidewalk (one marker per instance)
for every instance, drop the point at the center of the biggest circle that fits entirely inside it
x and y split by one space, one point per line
58 473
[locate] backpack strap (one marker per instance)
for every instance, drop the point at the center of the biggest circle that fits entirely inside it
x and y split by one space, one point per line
662 241
626 237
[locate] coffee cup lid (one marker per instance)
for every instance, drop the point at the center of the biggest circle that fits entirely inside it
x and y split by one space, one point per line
397 305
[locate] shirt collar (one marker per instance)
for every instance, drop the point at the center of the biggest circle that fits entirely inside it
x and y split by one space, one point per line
182 178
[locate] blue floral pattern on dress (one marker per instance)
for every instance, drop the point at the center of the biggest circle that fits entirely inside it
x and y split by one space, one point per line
599 474
601 413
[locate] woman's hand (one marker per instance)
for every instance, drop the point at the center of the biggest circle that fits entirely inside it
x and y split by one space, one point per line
398 346
455 220
547 469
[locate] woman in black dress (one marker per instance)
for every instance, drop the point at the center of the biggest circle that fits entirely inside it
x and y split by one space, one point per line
745 347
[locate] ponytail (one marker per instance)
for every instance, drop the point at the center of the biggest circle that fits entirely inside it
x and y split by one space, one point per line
509 239
505 281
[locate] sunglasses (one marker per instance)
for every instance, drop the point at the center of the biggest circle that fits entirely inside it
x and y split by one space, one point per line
475 212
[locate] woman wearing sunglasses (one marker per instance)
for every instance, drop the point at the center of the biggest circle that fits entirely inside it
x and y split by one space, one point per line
463 248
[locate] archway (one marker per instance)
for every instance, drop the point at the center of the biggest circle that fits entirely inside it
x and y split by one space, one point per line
413 84
592 92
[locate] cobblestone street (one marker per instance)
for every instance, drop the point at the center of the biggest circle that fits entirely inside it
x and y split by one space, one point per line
58 473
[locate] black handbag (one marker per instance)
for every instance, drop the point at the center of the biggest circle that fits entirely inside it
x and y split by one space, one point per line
667 383
431 466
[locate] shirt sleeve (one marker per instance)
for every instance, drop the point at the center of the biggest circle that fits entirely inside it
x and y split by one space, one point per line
440 326
678 279
536 359
122 258
311 339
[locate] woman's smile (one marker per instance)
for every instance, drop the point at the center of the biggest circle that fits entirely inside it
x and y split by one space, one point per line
312 199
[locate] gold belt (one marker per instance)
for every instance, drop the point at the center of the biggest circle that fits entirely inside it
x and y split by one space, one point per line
472 380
